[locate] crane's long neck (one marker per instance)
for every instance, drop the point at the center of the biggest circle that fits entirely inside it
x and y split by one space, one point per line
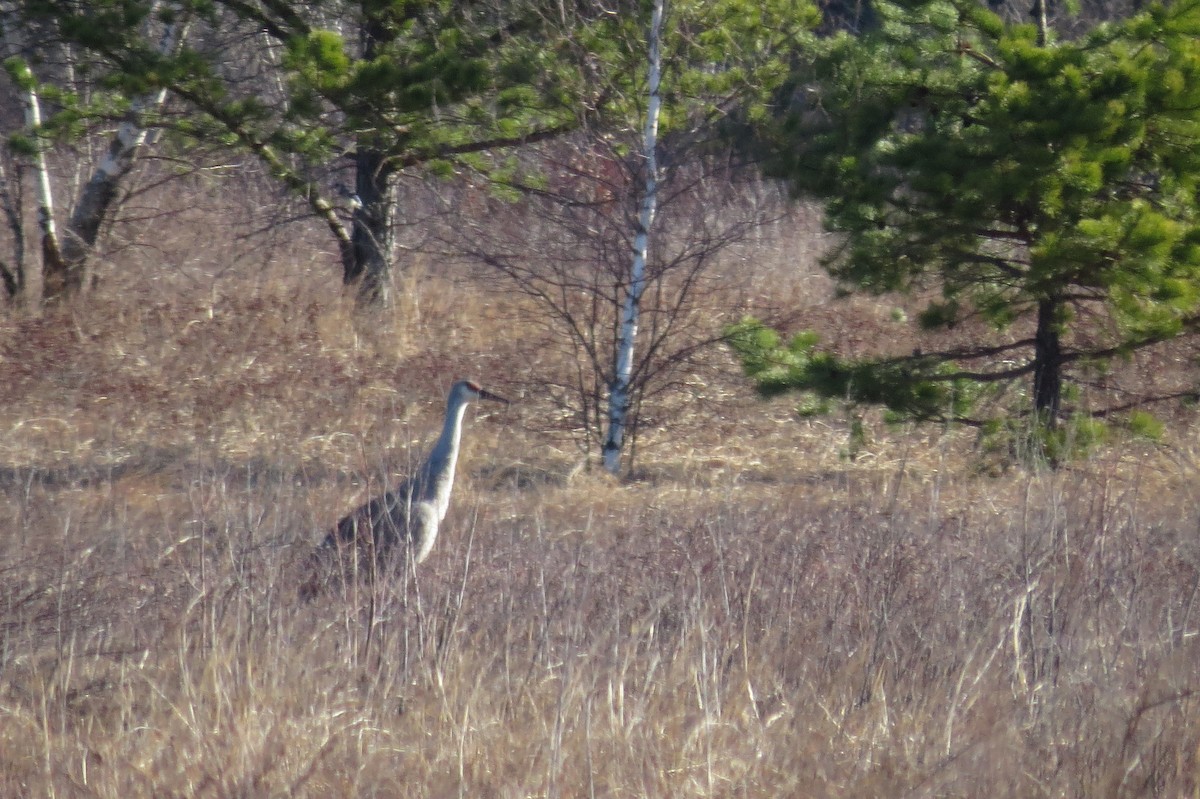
444 457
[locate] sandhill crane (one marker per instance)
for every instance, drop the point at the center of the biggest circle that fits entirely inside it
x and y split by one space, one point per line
409 515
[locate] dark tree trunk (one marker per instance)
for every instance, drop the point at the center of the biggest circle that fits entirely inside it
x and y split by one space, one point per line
56 277
91 209
10 201
370 256
372 234
95 203
1047 362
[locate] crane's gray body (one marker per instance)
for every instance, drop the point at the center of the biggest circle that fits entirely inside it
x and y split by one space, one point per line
408 516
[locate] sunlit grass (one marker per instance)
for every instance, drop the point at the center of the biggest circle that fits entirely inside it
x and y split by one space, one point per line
754 613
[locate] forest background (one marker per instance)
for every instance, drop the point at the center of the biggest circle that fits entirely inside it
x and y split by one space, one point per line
312 218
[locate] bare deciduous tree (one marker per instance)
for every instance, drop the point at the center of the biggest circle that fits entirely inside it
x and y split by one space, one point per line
566 246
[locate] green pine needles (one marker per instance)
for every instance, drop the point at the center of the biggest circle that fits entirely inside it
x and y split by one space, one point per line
1046 195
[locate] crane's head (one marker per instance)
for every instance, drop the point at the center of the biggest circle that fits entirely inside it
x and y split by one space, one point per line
466 390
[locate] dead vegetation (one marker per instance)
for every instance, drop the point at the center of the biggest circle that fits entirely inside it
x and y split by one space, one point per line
753 615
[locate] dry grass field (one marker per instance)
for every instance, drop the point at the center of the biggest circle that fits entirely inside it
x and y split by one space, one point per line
753 615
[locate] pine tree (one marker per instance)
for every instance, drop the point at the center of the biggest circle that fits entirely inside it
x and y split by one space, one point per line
388 86
1049 190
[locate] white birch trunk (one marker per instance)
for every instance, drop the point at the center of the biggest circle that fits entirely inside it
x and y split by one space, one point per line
620 391
97 196
52 266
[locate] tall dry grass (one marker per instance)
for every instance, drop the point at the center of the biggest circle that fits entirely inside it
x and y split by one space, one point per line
755 616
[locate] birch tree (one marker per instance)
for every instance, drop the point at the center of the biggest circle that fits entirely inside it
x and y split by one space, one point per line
53 268
618 399
65 251
568 243
379 88
96 199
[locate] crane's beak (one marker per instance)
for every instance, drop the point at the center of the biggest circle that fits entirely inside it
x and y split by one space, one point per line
487 395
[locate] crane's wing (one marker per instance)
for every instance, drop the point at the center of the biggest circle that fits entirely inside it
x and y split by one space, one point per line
373 531
381 523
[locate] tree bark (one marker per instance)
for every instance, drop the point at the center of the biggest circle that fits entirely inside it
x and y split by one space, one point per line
372 232
101 191
1047 349
94 203
1038 12
13 277
1047 363
369 259
54 271
620 391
